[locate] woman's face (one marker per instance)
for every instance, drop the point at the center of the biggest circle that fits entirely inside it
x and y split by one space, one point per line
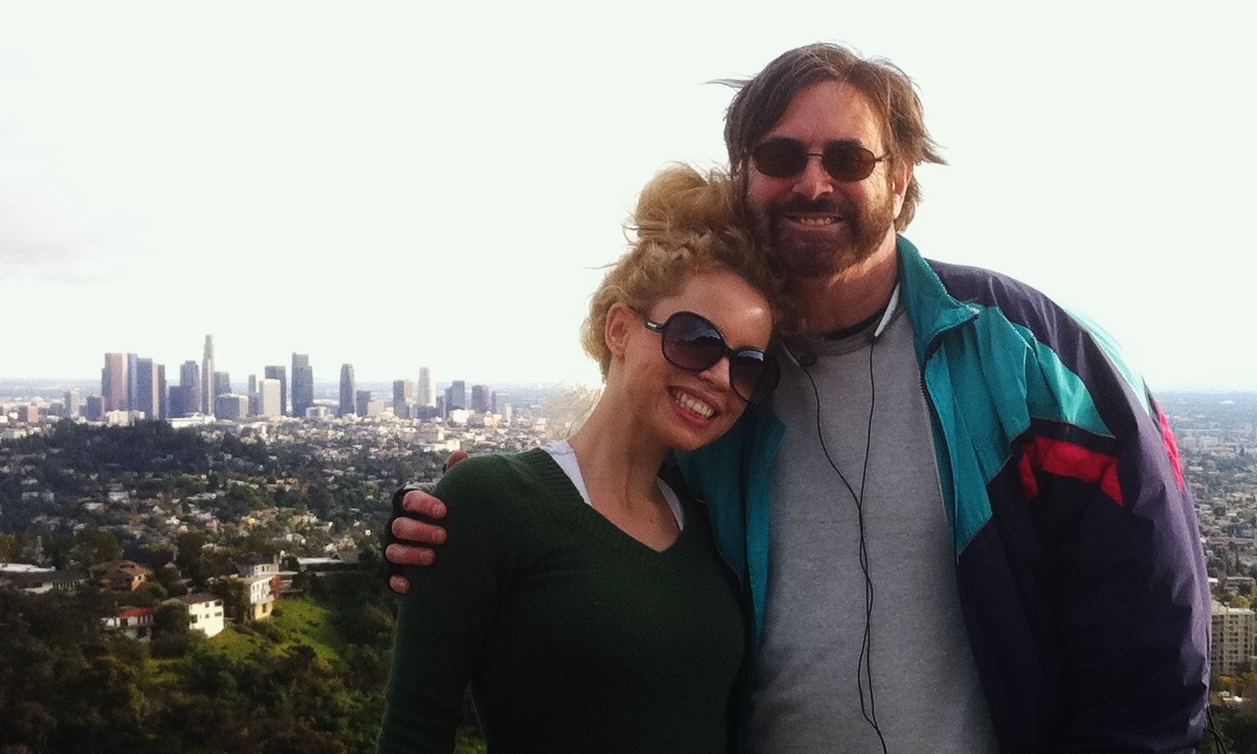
685 409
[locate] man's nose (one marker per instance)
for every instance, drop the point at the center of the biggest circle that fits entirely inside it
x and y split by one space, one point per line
814 182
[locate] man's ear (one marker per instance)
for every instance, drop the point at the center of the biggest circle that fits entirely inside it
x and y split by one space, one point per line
901 177
620 321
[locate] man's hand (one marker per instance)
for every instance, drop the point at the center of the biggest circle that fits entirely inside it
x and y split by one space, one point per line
409 535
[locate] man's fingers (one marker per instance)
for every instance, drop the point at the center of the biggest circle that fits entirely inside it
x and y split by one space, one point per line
407 555
423 504
417 532
399 584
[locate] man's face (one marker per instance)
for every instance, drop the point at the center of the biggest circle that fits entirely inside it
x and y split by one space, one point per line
816 224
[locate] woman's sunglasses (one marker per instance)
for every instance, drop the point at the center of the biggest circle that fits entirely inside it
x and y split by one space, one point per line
691 342
786 158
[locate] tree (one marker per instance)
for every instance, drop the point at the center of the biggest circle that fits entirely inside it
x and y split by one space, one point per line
93 546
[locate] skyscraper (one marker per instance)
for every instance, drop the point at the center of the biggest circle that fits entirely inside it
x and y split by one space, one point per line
347 389
427 389
207 370
280 373
148 389
269 396
190 389
481 398
221 384
163 395
133 376
403 397
113 383
302 384
455 396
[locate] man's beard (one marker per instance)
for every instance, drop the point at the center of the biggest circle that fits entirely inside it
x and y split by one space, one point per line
799 256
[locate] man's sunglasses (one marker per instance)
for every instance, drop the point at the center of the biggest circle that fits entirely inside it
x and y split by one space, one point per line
843 160
691 342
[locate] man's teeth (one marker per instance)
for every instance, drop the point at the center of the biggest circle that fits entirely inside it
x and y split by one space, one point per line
698 407
816 220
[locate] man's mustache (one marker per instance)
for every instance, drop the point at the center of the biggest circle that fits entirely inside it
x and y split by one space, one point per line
824 206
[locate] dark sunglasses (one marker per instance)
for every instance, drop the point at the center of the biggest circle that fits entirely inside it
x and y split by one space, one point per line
843 160
691 342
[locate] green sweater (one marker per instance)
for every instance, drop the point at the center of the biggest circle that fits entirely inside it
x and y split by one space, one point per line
576 637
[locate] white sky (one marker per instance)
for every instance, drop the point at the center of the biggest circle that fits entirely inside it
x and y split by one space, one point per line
413 183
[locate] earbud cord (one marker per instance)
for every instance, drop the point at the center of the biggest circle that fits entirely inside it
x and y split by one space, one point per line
864 667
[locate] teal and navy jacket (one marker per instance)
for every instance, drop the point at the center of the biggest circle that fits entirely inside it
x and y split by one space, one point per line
1078 558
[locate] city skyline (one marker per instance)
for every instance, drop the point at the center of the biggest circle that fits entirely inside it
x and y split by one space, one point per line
331 186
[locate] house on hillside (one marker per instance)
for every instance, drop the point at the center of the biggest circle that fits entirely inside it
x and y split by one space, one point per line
263 591
252 564
135 622
205 612
122 575
39 580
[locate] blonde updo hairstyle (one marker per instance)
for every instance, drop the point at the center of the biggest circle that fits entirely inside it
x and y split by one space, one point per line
685 223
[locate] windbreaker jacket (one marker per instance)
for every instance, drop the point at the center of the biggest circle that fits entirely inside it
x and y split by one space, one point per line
1078 558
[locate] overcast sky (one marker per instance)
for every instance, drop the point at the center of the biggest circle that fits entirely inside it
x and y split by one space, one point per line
413 184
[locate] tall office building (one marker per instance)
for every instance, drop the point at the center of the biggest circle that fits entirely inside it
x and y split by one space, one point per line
481 398
362 403
427 388
302 384
113 383
221 384
163 393
501 402
73 404
347 388
149 390
403 398
207 370
133 376
189 390
270 397
455 396
279 373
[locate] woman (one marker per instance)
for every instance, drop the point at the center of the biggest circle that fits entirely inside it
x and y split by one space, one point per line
580 591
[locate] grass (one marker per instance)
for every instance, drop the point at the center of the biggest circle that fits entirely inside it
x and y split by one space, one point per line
296 620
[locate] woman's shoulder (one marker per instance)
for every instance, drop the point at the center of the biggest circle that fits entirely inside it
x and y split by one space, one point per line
497 478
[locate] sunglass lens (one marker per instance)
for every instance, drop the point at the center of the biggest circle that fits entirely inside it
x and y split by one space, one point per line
780 158
753 374
848 162
691 342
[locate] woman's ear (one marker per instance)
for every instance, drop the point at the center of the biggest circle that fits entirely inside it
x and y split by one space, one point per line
620 322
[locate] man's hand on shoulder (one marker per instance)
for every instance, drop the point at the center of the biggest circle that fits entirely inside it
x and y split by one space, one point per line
412 532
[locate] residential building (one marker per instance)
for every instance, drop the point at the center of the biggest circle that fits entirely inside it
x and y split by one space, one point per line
1232 647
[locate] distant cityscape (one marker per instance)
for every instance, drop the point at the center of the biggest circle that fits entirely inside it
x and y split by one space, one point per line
133 388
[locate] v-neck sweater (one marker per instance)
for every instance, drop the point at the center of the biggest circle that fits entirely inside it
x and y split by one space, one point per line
576 637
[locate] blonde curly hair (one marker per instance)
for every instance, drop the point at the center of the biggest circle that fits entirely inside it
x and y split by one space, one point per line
685 223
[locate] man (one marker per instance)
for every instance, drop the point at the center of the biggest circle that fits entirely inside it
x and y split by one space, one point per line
979 538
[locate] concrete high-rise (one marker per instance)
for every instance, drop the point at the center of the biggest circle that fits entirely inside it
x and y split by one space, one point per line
270 399
113 383
348 387
73 404
426 388
279 373
207 371
302 384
